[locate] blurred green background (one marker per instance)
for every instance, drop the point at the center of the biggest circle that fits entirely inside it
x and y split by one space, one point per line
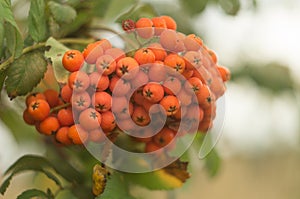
258 40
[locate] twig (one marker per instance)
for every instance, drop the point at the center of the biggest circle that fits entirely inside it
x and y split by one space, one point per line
10 60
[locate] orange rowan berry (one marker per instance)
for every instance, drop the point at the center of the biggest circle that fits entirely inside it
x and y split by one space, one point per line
98 82
92 52
52 97
127 67
65 116
153 92
97 135
193 85
170 22
108 122
144 56
159 52
140 79
171 104
213 56
157 72
152 147
192 60
39 109
119 86
80 101
77 134
175 62
140 116
78 81
62 136
159 25
49 125
102 101
66 93
34 96
144 28
90 119
171 41
192 42
115 53
106 64
204 96
164 137
172 85
138 97
104 43
72 60
184 97
28 118
224 73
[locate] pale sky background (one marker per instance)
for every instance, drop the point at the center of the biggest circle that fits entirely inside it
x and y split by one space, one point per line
254 121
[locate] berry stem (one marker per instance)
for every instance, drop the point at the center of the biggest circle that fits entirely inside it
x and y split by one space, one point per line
57 108
11 59
105 28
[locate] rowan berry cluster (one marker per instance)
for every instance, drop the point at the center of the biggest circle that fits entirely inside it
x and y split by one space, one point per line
171 79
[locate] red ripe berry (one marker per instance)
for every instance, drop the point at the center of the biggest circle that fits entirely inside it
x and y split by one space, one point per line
128 25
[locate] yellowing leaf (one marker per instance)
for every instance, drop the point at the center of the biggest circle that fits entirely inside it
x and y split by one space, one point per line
55 54
170 177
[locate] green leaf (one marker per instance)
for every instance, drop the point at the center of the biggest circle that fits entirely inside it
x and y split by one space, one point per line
171 177
100 7
231 7
52 177
193 7
212 163
62 13
117 7
25 163
273 76
29 162
37 20
55 54
33 193
21 132
25 73
2 33
5 184
2 79
116 188
12 34
14 40
136 12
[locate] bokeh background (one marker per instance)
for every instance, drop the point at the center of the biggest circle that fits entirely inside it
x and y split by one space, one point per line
258 40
